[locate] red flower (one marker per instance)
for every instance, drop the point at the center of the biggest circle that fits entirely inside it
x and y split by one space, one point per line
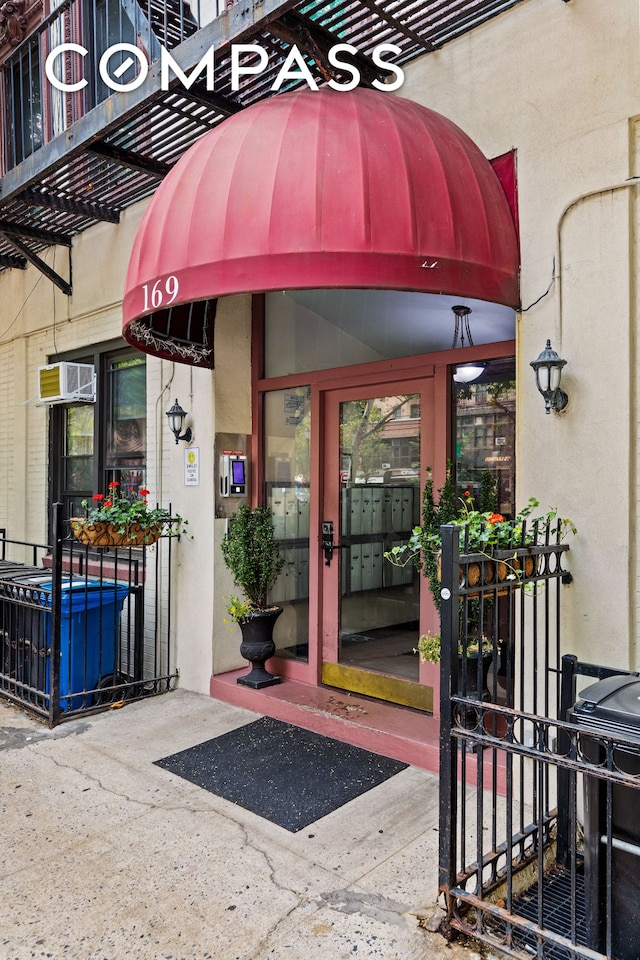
98 496
108 503
467 494
114 483
495 518
145 493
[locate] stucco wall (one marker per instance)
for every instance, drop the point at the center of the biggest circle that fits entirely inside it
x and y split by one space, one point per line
233 415
560 82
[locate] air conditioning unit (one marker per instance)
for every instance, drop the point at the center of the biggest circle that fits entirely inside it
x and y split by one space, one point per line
67 382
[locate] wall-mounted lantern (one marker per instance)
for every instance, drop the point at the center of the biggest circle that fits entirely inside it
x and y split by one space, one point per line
548 371
176 417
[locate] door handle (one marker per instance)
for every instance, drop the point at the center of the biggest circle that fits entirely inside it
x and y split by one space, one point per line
328 546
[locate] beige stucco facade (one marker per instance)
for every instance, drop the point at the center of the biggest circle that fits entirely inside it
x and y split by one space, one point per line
560 84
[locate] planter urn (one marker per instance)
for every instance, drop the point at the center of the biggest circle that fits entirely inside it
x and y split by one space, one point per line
470 665
258 646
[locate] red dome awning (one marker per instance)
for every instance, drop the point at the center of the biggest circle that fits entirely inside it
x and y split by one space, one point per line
317 189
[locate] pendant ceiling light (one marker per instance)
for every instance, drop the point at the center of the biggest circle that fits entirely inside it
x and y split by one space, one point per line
464 372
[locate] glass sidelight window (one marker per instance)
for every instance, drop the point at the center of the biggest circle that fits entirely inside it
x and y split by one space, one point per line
287 444
485 431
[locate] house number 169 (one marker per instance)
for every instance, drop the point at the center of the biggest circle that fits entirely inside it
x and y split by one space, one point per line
160 293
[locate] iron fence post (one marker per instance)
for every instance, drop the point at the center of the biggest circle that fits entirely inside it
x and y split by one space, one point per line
567 699
56 617
449 638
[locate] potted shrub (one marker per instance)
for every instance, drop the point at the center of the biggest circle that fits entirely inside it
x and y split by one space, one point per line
252 554
123 519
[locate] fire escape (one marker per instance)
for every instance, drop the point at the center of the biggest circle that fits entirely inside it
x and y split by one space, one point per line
73 158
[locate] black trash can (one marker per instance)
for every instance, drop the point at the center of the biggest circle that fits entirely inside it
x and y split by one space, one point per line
612 707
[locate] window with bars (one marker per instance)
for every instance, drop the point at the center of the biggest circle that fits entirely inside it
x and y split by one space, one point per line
24 131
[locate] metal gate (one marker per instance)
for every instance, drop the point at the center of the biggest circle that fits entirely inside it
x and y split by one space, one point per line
83 629
514 772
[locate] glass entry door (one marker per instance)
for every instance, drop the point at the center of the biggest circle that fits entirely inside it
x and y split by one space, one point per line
374 456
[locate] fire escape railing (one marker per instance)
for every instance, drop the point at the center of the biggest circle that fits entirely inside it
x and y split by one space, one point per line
37 110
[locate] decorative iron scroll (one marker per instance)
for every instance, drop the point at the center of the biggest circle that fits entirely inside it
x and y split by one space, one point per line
188 352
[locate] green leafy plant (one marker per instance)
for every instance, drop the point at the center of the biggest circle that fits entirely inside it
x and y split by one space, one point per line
120 509
481 531
429 647
238 609
252 554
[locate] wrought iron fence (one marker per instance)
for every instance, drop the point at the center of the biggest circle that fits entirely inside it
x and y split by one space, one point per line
82 629
539 851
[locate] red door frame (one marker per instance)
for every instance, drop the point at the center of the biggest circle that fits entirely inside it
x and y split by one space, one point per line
396 373
424 386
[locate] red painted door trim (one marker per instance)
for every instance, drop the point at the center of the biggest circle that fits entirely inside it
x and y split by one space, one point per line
330 576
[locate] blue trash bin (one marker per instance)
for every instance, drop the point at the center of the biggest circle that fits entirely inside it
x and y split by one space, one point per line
89 636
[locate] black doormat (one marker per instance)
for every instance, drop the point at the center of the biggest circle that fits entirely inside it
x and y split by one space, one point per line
285 774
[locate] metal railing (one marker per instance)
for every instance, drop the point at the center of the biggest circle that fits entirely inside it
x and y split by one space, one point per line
528 792
82 629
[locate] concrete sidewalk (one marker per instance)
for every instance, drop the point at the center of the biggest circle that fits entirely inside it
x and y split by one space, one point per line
105 856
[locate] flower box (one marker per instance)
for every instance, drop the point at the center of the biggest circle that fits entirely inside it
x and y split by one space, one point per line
103 534
123 518
491 571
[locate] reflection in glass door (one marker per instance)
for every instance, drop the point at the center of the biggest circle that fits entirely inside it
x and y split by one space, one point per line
370 641
76 461
287 441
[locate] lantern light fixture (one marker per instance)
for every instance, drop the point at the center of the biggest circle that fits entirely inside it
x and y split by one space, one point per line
548 370
468 372
464 372
176 417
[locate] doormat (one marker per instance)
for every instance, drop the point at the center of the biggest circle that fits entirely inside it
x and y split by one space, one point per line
285 774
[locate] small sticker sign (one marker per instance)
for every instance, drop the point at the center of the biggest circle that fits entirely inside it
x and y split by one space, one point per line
293 409
192 466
